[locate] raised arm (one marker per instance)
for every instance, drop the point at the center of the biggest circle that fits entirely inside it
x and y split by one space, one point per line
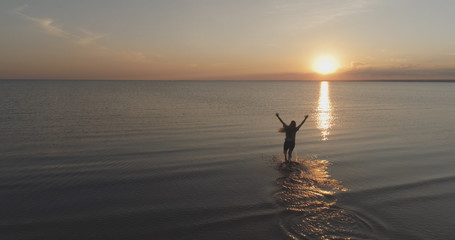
281 120
306 116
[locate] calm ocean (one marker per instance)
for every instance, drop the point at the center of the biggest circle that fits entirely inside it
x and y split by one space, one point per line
201 160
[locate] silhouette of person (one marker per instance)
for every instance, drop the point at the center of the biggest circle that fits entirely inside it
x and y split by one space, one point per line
289 141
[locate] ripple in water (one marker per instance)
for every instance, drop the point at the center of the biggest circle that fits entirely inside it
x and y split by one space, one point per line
307 195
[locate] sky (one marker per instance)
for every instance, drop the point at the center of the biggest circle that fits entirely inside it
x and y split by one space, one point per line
226 40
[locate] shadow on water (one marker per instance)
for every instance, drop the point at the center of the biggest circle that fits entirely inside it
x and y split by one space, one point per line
308 195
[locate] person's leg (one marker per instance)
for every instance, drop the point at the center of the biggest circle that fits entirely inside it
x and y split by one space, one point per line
291 148
285 149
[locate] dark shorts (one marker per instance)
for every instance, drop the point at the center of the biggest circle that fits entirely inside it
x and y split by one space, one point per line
289 145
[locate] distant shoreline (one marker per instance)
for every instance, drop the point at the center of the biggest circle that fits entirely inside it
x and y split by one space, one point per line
414 80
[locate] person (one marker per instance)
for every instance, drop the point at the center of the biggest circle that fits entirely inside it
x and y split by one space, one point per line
289 141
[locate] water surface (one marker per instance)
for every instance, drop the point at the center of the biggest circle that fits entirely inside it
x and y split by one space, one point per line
201 160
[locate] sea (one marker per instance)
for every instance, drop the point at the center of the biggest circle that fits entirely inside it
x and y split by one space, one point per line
204 160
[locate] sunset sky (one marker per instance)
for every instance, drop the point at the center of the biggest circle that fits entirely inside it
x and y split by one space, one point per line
222 40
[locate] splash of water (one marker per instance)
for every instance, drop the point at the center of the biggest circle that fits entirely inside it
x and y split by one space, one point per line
307 195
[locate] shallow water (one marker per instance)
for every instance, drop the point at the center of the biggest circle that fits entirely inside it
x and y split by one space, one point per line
200 160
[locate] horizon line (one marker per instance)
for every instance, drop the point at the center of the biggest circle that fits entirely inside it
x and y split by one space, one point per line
238 80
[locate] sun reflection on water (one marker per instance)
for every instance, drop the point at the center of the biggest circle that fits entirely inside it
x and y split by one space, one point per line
324 110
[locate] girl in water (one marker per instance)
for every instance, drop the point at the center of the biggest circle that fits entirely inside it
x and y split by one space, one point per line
289 141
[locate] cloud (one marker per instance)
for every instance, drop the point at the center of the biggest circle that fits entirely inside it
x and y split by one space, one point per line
48 25
408 72
356 64
363 73
89 37
84 37
273 76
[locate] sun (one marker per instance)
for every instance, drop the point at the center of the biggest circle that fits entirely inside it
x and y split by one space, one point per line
325 64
